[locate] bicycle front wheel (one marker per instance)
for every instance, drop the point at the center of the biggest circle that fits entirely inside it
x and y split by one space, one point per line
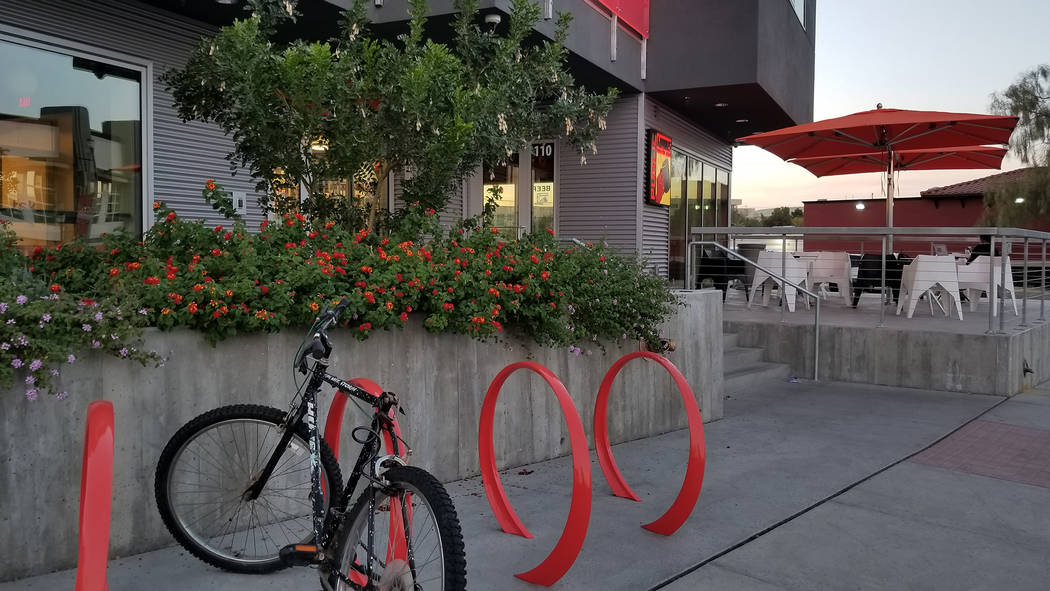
416 542
205 470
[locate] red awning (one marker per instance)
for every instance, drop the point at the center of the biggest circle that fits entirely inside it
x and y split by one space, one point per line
966 157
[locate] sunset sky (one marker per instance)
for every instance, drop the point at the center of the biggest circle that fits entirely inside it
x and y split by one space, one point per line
937 55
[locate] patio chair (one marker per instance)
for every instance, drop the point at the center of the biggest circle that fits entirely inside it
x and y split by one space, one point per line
831 267
869 276
792 269
931 275
973 277
720 269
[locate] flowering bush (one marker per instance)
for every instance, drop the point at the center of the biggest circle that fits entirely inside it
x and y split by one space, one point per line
470 279
43 326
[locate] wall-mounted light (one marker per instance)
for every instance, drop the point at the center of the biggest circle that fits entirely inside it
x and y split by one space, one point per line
378 3
742 120
860 205
493 19
1019 200
721 105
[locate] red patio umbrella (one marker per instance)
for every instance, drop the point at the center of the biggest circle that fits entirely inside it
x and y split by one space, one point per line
887 131
961 158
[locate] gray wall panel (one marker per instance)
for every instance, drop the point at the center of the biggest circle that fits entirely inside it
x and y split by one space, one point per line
601 199
184 155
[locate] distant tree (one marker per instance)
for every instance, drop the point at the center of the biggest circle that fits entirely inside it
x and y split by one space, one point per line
1021 202
780 216
744 221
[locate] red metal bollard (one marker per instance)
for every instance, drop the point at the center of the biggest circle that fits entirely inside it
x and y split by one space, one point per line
678 513
561 558
96 498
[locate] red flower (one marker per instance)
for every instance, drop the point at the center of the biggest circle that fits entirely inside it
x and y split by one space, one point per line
390 305
229 293
366 269
535 260
216 252
170 217
55 288
210 184
198 287
192 308
171 275
550 231
264 290
545 275
404 317
87 302
156 205
448 306
365 326
495 230
114 272
151 280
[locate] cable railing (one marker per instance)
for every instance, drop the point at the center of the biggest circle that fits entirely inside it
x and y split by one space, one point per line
943 266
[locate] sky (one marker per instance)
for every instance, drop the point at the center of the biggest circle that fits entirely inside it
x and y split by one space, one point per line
935 55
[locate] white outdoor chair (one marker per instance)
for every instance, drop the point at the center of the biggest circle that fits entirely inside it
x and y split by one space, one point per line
930 275
792 269
831 267
974 278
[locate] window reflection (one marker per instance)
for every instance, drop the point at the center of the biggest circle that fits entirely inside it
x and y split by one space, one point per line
70 146
504 179
542 186
676 254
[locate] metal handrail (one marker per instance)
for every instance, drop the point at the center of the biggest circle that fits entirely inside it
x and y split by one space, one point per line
873 230
783 283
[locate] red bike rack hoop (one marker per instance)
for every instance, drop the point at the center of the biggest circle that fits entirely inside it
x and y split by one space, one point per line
678 513
561 558
96 498
334 423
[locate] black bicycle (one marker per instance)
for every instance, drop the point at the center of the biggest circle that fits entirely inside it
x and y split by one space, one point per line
252 489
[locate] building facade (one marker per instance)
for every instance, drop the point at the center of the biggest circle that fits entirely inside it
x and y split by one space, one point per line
89 138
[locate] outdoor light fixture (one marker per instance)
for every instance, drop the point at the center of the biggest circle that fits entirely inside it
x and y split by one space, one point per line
1019 200
860 205
742 120
319 145
225 1
721 105
378 3
493 19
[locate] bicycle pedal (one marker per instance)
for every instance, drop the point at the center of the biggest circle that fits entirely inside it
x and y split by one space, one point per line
299 555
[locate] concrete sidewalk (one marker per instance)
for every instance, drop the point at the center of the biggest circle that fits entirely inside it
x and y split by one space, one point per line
808 486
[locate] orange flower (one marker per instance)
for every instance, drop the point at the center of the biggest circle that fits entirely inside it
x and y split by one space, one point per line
166 311
55 288
229 293
390 305
156 205
314 306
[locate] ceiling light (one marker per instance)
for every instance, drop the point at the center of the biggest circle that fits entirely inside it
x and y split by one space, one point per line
721 105
860 205
225 1
742 120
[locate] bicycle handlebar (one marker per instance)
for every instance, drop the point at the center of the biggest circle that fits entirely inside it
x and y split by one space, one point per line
320 347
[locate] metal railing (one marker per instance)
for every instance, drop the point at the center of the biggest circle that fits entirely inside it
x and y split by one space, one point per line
1002 243
783 285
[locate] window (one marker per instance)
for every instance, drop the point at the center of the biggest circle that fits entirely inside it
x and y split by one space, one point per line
542 186
70 146
699 197
503 179
800 11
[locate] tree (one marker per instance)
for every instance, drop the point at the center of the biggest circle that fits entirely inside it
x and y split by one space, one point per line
305 112
1026 199
780 216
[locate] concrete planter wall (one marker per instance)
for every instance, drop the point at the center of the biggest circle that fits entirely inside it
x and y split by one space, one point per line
442 379
982 364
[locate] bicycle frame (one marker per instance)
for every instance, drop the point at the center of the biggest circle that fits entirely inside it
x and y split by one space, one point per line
383 425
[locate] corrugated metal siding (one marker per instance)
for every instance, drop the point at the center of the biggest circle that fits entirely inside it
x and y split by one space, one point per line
601 199
184 155
696 142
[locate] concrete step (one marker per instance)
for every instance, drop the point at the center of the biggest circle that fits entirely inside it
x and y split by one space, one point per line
729 340
754 375
737 358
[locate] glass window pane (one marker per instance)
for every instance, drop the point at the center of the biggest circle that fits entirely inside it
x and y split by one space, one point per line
70 146
709 189
503 178
723 198
542 186
677 230
694 207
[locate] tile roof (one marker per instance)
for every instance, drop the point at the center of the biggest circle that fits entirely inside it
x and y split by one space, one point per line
976 186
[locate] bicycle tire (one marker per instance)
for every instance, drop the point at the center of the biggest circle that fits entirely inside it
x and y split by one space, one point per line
279 499
426 493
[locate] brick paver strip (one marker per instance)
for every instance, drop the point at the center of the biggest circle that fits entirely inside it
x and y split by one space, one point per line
998 450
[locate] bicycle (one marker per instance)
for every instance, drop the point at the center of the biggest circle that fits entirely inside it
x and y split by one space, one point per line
237 503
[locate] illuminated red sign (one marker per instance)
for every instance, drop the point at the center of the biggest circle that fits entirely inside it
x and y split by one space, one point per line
24 101
659 177
633 13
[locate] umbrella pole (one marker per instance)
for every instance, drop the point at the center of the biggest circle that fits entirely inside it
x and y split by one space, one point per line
889 197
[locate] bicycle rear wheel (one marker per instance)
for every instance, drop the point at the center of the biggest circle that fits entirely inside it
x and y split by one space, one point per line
204 471
429 558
